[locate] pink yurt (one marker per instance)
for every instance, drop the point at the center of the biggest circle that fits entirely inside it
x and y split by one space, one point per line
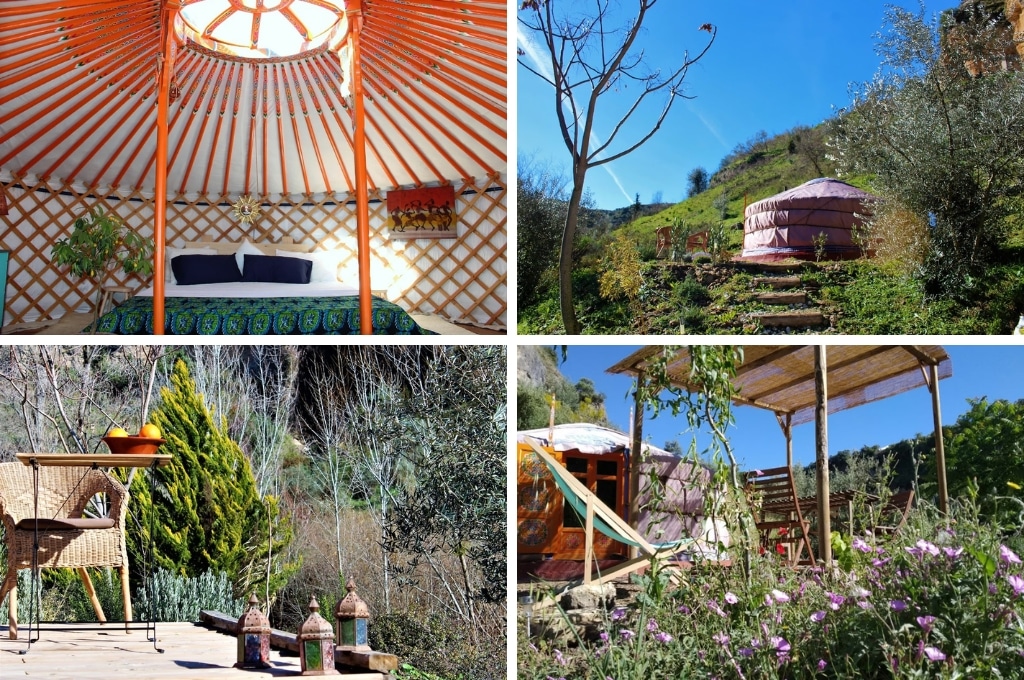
793 223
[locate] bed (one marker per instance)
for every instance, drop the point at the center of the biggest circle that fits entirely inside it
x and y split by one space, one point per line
322 306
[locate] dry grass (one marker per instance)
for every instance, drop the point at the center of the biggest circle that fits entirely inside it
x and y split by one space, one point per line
900 236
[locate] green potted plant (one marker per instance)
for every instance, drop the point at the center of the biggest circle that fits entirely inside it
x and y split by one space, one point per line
101 243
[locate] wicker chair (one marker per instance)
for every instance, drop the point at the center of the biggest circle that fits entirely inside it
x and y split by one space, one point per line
66 539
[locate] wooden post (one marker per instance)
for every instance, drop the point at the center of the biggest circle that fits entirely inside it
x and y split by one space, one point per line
165 66
821 453
634 457
786 423
588 550
940 448
355 15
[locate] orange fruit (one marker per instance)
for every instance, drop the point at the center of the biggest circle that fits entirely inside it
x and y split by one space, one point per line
150 431
118 432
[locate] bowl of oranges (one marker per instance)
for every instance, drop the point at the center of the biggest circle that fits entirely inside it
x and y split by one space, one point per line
146 442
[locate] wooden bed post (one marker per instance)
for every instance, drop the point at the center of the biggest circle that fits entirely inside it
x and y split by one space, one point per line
821 453
165 66
354 12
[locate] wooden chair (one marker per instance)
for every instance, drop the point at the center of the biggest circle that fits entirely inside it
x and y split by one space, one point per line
66 538
893 516
777 514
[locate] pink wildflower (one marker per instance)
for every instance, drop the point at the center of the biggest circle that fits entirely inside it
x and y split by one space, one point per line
859 544
818 616
1017 583
780 596
663 637
934 654
1008 556
731 598
721 638
652 625
926 623
897 605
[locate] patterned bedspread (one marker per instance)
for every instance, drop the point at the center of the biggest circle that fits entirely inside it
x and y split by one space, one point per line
257 316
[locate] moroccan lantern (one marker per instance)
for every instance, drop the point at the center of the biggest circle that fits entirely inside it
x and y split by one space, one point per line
316 644
353 618
253 637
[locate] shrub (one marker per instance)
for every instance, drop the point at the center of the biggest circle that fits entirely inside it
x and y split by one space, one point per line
181 598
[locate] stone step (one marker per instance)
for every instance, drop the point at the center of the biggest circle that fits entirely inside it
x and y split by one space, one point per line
776 281
784 298
801 318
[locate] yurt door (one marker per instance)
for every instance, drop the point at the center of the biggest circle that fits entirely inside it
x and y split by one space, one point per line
603 475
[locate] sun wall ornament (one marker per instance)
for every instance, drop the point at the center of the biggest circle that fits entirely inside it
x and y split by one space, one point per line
247 209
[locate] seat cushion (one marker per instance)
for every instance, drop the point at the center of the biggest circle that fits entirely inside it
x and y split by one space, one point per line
66 524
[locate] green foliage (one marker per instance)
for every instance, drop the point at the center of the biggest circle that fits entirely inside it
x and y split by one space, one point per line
622 276
101 240
697 182
181 598
943 141
934 602
986 448
541 204
458 448
432 648
204 508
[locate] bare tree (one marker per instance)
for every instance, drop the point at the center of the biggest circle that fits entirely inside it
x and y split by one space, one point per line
586 57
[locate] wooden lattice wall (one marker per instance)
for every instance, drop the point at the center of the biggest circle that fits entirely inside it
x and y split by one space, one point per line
462 279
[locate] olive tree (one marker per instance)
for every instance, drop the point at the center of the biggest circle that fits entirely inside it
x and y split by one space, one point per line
941 127
589 53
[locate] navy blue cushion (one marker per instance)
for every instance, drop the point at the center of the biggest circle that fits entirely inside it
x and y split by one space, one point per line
274 269
190 270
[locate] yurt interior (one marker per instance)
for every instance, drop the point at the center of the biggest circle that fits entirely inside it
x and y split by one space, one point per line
369 135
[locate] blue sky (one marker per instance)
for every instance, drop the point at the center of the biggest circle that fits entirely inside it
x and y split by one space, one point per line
996 372
774 65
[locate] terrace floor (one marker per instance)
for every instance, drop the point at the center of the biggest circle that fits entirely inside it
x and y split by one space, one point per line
190 651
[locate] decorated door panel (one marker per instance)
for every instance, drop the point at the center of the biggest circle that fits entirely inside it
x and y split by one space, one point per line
537 498
545 523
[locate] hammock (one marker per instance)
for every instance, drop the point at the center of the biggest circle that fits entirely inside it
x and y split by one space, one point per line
599 516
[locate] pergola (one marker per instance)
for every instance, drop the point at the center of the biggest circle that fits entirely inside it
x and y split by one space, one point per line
805 383
195 97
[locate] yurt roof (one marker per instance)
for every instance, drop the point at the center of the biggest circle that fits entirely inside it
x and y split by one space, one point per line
78 91
781 378
585 438
823 193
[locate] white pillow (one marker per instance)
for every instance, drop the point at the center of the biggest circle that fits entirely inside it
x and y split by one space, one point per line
325 264
171 253
245 249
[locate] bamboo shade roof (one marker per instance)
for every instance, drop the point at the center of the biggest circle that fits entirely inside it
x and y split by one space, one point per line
78 92
781 378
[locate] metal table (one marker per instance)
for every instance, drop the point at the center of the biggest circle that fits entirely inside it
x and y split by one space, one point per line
92 461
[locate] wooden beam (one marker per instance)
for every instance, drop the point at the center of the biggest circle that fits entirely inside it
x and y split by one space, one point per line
635 448
940 448
355 17
821 453
164 77
842 364
921 355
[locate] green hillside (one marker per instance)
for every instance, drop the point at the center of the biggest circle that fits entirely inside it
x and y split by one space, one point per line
753 171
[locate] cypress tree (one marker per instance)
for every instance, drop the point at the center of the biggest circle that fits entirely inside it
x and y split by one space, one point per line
205 511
